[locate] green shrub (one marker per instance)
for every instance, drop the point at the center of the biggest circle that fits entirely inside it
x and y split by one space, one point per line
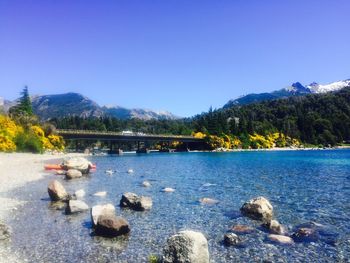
28 142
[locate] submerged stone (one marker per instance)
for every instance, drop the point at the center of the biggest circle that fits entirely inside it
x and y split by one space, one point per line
231 239
281 239
186 247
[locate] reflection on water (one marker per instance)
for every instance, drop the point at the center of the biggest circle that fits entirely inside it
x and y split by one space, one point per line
303 186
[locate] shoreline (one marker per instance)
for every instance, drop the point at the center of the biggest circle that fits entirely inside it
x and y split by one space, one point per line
16 170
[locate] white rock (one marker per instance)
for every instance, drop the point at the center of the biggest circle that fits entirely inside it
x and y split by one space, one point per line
186 247
79 193
77 163
97 210
168 190
100 194
76 206
130 171
146 184
109 172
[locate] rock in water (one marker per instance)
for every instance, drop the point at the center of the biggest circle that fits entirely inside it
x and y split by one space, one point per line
135 202
56 191
242 229
168 190
5 232
208 201
77 163
111 226
305 234
100 194
258 208
76 206
275 227
231 239
186 247
281 239
98 210
79 193
146 184
60 172
72 173
130 171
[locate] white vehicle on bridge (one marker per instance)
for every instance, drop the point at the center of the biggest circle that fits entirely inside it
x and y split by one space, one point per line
127 133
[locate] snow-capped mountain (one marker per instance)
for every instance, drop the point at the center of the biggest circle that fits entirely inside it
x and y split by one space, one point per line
296 89
334 86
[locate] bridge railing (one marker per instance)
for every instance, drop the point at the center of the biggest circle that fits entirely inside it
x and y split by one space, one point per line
92 132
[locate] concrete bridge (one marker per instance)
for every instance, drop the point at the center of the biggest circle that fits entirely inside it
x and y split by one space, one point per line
115 140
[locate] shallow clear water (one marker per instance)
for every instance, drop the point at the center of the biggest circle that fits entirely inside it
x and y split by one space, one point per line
303 186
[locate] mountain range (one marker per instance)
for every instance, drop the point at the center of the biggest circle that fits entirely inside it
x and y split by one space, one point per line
296 89
75 104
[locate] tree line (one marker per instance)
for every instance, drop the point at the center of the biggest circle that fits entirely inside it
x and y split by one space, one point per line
317 119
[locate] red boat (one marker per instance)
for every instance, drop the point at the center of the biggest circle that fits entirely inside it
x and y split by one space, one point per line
59 167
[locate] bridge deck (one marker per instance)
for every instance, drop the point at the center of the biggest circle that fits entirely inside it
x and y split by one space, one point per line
118 136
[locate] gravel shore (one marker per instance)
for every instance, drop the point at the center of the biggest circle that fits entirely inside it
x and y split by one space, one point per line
16 170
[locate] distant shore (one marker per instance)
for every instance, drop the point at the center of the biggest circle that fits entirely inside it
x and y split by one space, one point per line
277 149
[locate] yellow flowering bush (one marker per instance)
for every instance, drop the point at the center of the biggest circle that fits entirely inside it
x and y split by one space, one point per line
56 141
198 135
8 127
6 145
260 141
236 143
32 138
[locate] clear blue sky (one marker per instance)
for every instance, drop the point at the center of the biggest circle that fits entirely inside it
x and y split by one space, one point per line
178 55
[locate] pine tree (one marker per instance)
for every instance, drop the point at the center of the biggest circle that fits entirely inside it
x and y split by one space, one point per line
25 102
24 107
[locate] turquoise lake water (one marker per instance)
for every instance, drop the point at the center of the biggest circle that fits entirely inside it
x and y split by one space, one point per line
302 186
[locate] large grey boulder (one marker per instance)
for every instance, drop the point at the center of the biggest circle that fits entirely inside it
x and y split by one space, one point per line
98 210
258 208
76 206
135 202
5 231
186 247
57 192
73 173
77 163
111 226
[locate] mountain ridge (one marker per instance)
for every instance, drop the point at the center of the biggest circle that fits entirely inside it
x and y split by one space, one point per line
296 89
76 104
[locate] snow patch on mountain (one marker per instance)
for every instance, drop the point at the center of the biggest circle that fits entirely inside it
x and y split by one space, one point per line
334 86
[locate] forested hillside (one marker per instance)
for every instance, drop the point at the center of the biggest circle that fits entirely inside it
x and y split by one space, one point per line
314 118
